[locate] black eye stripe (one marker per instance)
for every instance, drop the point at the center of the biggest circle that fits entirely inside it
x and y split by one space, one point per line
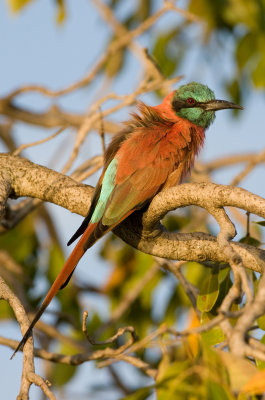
179 104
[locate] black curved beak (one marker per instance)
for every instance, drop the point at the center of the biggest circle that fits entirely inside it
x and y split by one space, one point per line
215 105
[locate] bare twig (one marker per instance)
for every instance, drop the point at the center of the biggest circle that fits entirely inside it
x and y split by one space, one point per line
102 132
186 14
28 373
107 354
259 158
38 142
123 41
190 290
113 338
251 312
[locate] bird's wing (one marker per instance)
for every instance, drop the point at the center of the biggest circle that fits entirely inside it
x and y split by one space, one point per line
134 176
132 192
135 171
112 149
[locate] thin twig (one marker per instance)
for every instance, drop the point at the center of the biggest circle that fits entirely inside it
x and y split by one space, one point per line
38 142
113 338
102 133
28 372
190 290
249 167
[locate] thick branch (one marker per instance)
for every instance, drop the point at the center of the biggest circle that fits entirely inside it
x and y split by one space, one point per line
206 195
32 180
143 231
198 247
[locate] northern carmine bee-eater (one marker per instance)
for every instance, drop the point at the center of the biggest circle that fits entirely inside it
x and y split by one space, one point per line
155 151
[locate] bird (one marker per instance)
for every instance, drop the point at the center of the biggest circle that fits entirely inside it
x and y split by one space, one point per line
155 150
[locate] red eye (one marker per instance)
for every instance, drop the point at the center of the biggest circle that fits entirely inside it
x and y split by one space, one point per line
190 101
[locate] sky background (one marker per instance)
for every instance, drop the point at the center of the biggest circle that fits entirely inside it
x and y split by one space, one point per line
34 49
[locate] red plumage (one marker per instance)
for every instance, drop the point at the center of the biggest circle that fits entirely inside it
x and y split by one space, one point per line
155 150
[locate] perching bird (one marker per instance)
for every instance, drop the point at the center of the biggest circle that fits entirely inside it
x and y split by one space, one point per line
155 151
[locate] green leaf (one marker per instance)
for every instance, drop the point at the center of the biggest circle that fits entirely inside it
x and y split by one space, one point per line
214 335
213 362
250 241
5 310
114 62
94 323
168 370
234 89
225 285
166 57
56 261
21 242
261 322
23 246
261 364
247 13
223 274
206 11
200 378
175 223
60 374
209 292
246 48
169 382
140 394
258 75
216 391
143 11
195 273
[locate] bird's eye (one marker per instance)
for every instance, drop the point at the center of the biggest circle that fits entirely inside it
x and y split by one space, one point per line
191 101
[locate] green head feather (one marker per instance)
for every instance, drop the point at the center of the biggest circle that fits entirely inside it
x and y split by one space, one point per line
195 114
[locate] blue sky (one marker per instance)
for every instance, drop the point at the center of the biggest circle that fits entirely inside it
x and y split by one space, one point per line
34 49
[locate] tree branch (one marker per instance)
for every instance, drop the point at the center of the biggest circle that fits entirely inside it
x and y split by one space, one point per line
28 372
143 230
52 118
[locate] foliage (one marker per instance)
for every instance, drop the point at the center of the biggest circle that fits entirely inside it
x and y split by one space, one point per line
188 366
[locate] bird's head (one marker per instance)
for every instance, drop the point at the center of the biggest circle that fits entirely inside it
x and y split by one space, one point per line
196 102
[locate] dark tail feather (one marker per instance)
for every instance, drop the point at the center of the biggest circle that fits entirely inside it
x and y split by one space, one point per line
61 280
79 231
67 280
